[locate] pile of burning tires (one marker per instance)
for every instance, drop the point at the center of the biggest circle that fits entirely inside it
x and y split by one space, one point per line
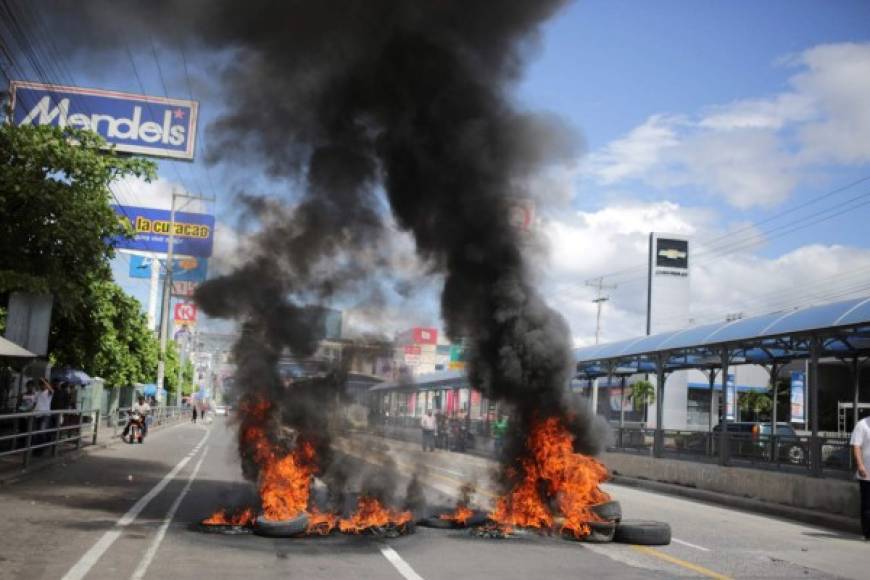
609 526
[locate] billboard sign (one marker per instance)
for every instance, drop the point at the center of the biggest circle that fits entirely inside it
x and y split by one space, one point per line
130 123
730 398
798 397
185 269
183 289
185 313
667 283
194 232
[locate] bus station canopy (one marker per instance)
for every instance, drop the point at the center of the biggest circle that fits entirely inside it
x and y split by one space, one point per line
427 381
841 328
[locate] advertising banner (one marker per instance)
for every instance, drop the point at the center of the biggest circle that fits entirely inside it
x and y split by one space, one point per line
183 289
194 232
184 269
730 398
798 397
130 123
185 313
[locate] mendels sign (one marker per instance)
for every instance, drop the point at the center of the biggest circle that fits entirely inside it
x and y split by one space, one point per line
130 123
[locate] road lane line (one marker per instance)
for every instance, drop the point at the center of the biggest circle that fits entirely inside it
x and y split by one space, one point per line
685 543
90 558
399 564
682 563
145 562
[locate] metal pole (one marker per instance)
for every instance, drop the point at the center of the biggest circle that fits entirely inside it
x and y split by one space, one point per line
711 377
167 294
621 409
774 374
816 463
96 426
659 441
723 422
856 395
154 285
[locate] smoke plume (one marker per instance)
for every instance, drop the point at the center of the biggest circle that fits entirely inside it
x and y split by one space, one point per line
352 102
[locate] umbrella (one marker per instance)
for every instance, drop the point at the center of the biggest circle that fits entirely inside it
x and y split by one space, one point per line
71 376
149 390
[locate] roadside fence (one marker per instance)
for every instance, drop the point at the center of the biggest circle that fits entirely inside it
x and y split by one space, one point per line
35 433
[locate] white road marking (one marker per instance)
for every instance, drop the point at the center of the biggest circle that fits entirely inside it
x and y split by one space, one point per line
90 558
399 564
685 543
145 562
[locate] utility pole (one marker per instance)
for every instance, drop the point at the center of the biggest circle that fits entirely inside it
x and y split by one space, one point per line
600 299
167 291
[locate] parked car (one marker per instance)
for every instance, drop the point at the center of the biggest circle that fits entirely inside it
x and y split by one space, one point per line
753 440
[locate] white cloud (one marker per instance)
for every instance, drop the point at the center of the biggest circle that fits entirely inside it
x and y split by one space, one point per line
736 280
637 153
838 80
753 152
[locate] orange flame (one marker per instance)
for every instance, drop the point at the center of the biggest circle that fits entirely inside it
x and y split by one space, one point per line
552 467
371 513
244 517
460 516
320 523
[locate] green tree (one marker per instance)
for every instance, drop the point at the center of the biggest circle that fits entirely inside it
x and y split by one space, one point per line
173 364
643 393
116 344
55 211
755 403
56 221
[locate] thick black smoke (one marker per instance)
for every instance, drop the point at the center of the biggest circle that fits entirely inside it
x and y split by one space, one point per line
348 97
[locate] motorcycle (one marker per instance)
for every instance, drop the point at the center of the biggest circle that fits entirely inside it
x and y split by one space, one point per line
137 428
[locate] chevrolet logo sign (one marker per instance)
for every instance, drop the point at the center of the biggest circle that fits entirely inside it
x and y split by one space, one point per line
673 254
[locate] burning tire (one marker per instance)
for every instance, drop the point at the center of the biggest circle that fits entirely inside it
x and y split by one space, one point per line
610 511
477 518
281 528
600 532
643 533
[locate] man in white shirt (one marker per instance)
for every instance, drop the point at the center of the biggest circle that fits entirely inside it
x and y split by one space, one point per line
42 408
861 450
143 409
427 423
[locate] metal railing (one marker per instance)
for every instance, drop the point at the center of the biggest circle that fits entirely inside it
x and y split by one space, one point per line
32 433
821 456
26 433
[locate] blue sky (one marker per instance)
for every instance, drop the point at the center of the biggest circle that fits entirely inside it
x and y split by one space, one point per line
699 118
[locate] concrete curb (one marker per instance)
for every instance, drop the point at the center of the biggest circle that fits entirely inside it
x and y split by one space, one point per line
749 505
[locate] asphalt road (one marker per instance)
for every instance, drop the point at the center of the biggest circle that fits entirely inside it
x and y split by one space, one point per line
125 512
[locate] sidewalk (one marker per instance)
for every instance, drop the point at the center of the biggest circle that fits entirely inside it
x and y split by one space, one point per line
448 471
11 466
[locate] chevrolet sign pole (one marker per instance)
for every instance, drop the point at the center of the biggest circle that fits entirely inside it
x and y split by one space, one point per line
167 294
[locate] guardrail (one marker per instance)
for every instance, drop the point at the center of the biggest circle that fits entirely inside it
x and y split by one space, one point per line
822 456
28 434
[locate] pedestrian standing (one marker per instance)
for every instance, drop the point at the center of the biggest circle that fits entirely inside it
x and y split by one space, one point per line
194 413
861 449
427 424
43 410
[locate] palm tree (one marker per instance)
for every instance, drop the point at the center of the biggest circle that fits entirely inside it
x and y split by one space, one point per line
643 393
756 402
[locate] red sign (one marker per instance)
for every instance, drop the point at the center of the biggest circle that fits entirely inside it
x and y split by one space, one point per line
185 313
425 336
413 350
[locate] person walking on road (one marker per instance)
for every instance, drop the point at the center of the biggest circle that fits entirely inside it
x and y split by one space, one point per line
194 413
861 449
427 424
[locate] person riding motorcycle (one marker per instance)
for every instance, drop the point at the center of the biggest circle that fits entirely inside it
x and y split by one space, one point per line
138 415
